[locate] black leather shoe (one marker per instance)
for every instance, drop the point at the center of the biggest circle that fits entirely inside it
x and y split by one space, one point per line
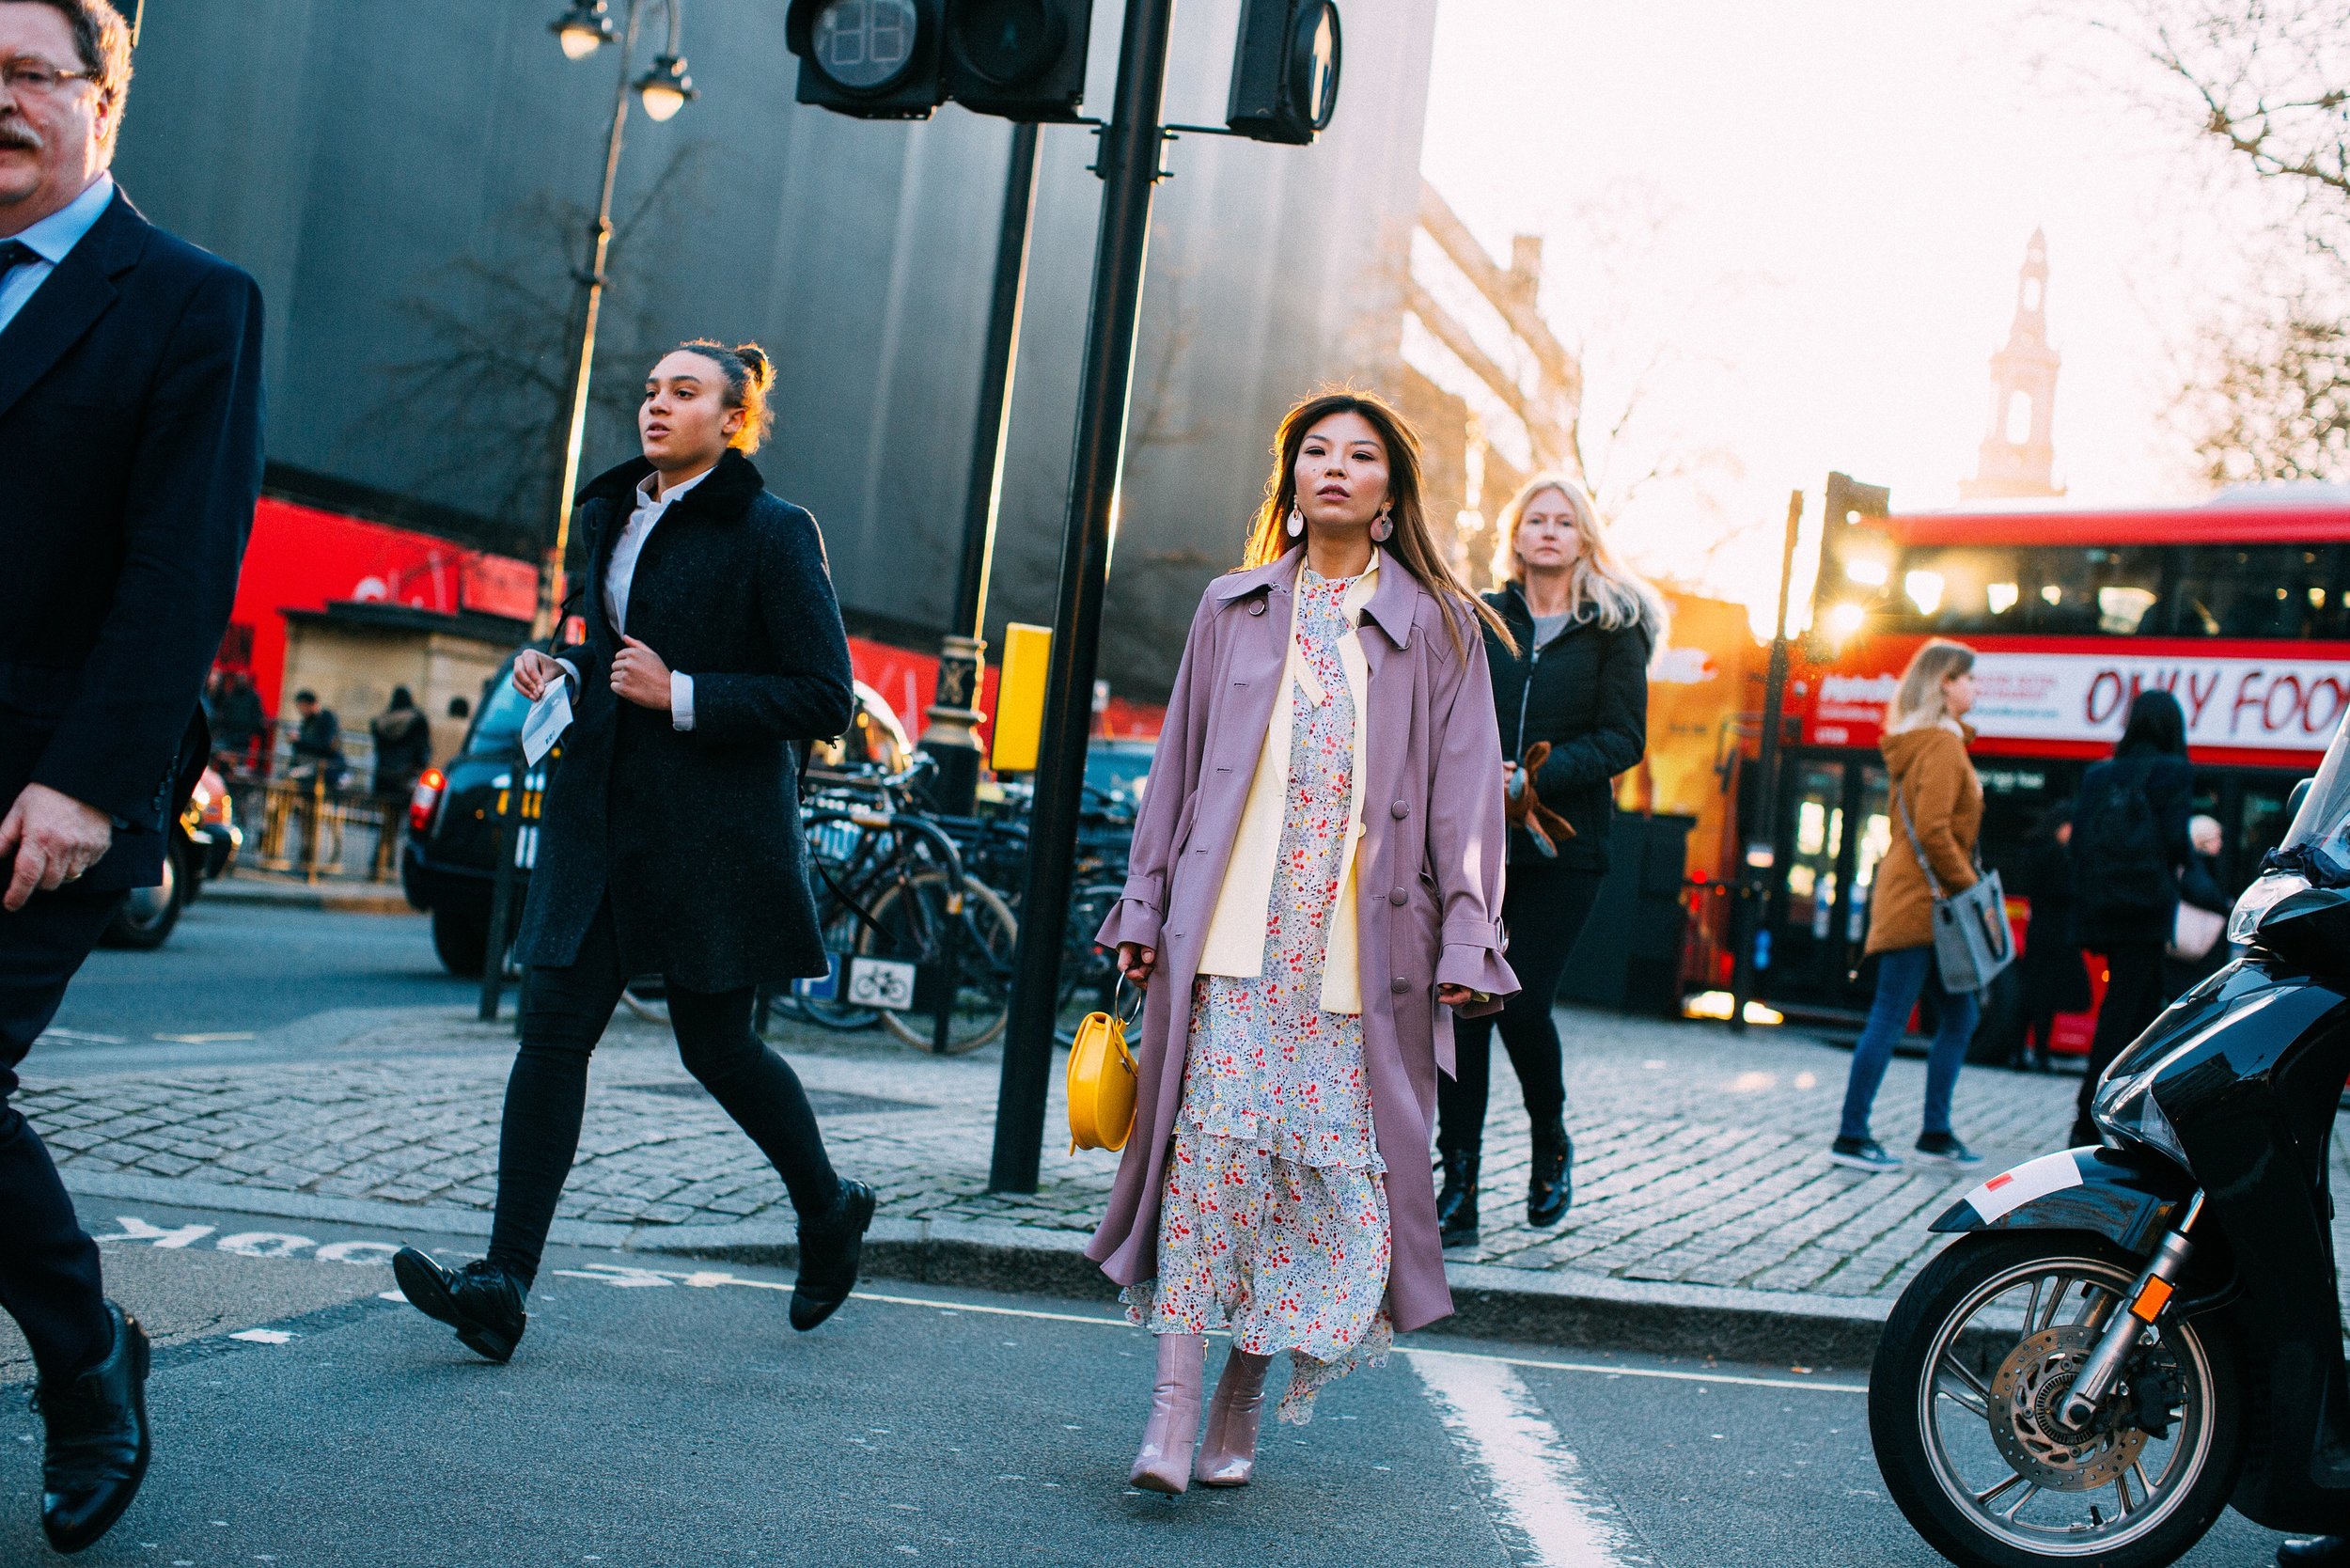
98 1441
481 1301
829 1250
2324 1551
1551 1187
1456 1205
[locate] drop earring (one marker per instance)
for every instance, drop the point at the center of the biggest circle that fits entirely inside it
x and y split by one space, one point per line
1382 527
1297 523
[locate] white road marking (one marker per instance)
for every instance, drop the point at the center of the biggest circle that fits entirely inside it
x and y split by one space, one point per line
263 1336
1532 1482
377 1253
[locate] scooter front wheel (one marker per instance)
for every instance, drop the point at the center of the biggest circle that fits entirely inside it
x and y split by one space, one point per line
1964 1397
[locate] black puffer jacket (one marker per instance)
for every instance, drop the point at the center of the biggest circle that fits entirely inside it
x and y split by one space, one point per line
1585 692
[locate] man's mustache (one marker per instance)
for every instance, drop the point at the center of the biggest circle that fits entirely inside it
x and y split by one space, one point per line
17 133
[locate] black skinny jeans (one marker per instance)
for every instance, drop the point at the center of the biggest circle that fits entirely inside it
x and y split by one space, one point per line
2137 991
1544 913
564 1014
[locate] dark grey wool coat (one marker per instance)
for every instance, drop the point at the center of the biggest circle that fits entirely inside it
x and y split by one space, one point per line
695 833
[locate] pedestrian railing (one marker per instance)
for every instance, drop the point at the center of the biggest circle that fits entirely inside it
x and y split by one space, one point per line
315 832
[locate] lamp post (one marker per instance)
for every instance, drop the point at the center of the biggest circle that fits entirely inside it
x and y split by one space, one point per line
662 89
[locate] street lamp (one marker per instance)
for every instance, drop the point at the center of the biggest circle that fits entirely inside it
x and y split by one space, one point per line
583 29
664 89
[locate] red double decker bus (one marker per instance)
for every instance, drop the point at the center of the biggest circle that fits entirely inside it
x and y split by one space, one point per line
2238 607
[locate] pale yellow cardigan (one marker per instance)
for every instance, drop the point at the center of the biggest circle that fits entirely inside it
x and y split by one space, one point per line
1235 944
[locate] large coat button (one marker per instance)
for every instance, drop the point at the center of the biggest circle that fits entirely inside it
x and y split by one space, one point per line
1397 896
1399 985
1400 811
1256 606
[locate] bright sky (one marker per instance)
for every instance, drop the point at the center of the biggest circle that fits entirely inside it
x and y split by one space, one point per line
1843 191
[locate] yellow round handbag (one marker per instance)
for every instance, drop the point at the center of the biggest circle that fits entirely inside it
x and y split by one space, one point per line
1102 1076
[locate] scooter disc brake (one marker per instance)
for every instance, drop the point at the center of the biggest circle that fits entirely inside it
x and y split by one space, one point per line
2027 1394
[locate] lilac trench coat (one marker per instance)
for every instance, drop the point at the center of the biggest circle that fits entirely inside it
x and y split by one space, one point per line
1428 874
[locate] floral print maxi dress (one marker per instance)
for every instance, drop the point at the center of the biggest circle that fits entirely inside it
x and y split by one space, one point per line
1274 1221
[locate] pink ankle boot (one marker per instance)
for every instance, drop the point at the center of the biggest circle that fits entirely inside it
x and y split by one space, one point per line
1164 1462
1228 1457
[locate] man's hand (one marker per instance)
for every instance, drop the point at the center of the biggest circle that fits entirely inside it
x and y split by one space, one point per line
638 675
55 839
534 672
1135 961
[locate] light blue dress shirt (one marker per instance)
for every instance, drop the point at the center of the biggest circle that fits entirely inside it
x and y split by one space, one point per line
51 239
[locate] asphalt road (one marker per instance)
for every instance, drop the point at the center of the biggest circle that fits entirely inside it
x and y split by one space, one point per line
661 1415
232 971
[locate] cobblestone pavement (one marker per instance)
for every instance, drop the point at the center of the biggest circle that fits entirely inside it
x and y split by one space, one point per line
1700 1156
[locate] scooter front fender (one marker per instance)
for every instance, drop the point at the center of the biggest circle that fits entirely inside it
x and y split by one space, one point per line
2127 1196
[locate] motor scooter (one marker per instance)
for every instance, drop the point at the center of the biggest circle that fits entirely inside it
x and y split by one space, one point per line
2127 1339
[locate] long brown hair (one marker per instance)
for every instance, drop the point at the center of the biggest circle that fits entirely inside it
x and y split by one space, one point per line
1411 544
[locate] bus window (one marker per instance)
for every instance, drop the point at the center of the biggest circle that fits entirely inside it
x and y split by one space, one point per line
2258 590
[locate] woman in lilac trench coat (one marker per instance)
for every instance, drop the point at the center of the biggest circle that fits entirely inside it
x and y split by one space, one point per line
1345 608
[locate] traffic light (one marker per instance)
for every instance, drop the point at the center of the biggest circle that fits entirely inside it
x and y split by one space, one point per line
900 59
1285 73
1853 574
1024 59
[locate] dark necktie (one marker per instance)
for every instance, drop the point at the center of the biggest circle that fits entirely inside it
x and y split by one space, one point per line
14 254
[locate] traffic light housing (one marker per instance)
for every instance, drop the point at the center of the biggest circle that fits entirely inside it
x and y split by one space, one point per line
1023 59
900 59
1844 504
1285 71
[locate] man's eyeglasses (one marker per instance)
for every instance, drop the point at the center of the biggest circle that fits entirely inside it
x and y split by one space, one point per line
39 76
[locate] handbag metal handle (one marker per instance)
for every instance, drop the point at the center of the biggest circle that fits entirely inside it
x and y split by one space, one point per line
1141 1001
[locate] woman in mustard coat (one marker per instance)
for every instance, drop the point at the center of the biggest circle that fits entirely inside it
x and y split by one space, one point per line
1315 886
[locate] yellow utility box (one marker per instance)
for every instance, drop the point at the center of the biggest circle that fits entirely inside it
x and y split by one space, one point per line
1020 698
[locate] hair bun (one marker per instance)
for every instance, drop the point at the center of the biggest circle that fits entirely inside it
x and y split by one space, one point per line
754 359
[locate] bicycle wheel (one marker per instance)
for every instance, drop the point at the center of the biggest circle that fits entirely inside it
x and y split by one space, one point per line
1088 972
912 913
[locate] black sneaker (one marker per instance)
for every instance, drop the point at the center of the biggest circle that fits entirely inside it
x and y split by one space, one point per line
481 1301
1946 1148
1863 1153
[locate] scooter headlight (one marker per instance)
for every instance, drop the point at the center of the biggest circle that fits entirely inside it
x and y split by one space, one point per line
2265 894
2126 1110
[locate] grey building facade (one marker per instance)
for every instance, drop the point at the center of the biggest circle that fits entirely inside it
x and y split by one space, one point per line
411 184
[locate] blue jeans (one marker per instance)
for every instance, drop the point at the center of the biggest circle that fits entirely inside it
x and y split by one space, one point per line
1901 975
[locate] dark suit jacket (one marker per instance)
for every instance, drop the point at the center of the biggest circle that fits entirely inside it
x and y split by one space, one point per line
129 463
694 835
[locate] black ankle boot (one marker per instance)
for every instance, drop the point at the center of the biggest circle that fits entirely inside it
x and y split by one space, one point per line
1456 1205
1551 1186
829 1250
97 1440
481 1301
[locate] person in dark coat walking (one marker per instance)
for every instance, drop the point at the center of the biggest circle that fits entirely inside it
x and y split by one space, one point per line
403 744
671 842
1570 698
130 433
2050 973
2130 845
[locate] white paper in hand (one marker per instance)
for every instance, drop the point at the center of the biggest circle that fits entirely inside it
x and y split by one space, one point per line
548 718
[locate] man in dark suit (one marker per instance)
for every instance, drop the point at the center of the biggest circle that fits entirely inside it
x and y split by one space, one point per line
130 438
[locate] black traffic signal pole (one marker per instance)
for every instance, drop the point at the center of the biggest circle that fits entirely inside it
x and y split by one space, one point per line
953 738
1129 167
1759 856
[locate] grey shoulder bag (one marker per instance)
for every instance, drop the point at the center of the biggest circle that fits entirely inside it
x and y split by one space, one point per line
1972 941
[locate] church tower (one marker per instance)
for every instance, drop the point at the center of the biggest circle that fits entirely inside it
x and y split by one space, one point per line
2017 456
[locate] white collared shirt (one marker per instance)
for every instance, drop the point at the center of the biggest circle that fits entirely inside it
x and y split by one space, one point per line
619 577
50 241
